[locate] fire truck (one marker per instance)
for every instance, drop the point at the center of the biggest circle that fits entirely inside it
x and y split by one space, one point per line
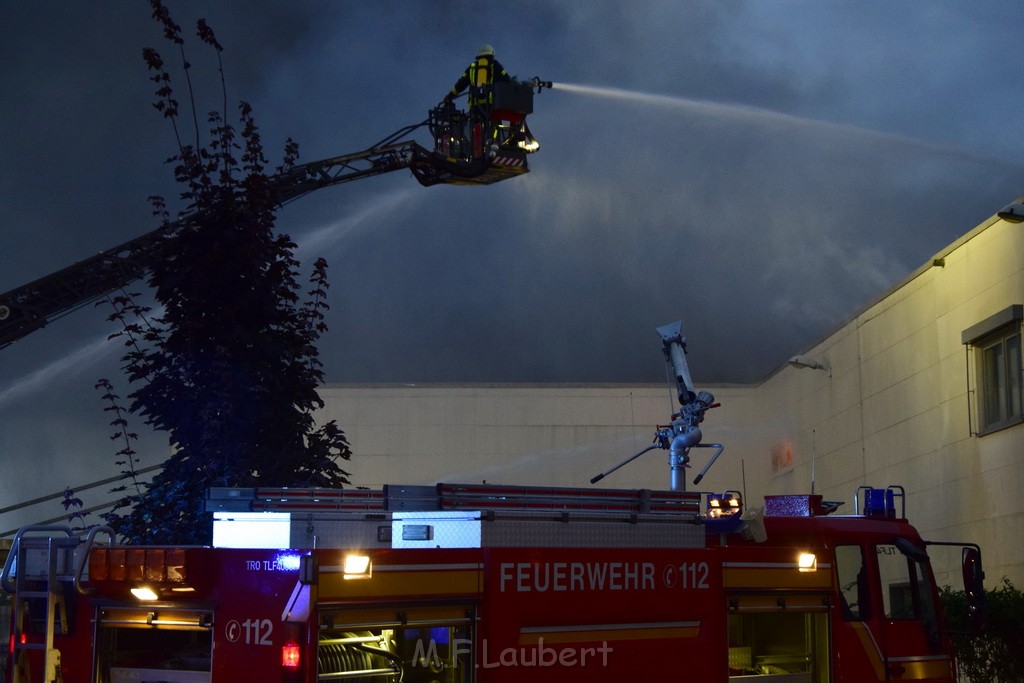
464 583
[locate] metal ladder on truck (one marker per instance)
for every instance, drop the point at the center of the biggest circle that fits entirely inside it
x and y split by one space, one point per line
489 497
45 561
465 515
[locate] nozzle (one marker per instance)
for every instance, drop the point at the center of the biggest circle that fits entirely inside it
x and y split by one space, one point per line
535 82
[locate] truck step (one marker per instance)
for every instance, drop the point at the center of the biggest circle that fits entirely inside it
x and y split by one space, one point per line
30 646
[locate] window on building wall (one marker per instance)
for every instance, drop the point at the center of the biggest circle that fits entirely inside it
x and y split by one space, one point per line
994 363
1000 379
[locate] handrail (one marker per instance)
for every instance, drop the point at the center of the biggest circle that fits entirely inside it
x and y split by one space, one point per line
5 577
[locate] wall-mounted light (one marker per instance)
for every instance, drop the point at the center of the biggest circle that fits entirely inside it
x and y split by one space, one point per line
801 361
1013 212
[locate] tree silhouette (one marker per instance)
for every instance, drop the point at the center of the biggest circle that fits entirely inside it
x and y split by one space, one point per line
229 368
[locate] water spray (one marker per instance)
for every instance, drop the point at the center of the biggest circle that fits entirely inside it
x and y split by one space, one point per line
751 114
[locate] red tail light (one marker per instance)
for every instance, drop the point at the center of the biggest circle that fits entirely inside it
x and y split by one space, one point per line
290 655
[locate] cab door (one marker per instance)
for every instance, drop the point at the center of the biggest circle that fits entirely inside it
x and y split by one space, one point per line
910 641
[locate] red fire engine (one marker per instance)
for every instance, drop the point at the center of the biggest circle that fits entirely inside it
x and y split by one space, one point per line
461 583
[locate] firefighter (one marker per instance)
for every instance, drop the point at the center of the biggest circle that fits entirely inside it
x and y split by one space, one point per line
480 77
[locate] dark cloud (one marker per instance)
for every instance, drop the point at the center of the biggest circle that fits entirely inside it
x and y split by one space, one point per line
801 158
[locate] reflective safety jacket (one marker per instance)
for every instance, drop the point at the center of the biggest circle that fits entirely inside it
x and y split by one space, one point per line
479 77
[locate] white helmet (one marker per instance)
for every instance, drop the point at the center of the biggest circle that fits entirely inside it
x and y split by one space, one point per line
485 51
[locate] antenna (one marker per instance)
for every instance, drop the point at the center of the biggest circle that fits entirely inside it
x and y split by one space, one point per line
814 449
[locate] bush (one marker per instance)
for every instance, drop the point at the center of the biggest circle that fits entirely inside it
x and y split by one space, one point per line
996 653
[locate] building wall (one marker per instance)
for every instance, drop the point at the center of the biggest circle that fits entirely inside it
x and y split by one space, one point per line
891 407
513 434
897 406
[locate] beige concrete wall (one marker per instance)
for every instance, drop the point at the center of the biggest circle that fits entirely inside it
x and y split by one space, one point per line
514 434
892 408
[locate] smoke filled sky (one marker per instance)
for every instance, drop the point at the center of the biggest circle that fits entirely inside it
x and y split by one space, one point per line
760 170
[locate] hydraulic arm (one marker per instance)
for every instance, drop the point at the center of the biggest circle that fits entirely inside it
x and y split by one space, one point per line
31 306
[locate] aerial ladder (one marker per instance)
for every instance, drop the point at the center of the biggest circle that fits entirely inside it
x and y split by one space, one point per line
454 158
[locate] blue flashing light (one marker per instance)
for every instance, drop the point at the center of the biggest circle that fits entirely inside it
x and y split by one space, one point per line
288 562
879 503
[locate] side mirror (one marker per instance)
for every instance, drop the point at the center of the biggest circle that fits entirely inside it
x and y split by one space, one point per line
308 571
974 586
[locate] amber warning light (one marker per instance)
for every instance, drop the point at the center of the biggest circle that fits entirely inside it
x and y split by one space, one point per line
151 565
